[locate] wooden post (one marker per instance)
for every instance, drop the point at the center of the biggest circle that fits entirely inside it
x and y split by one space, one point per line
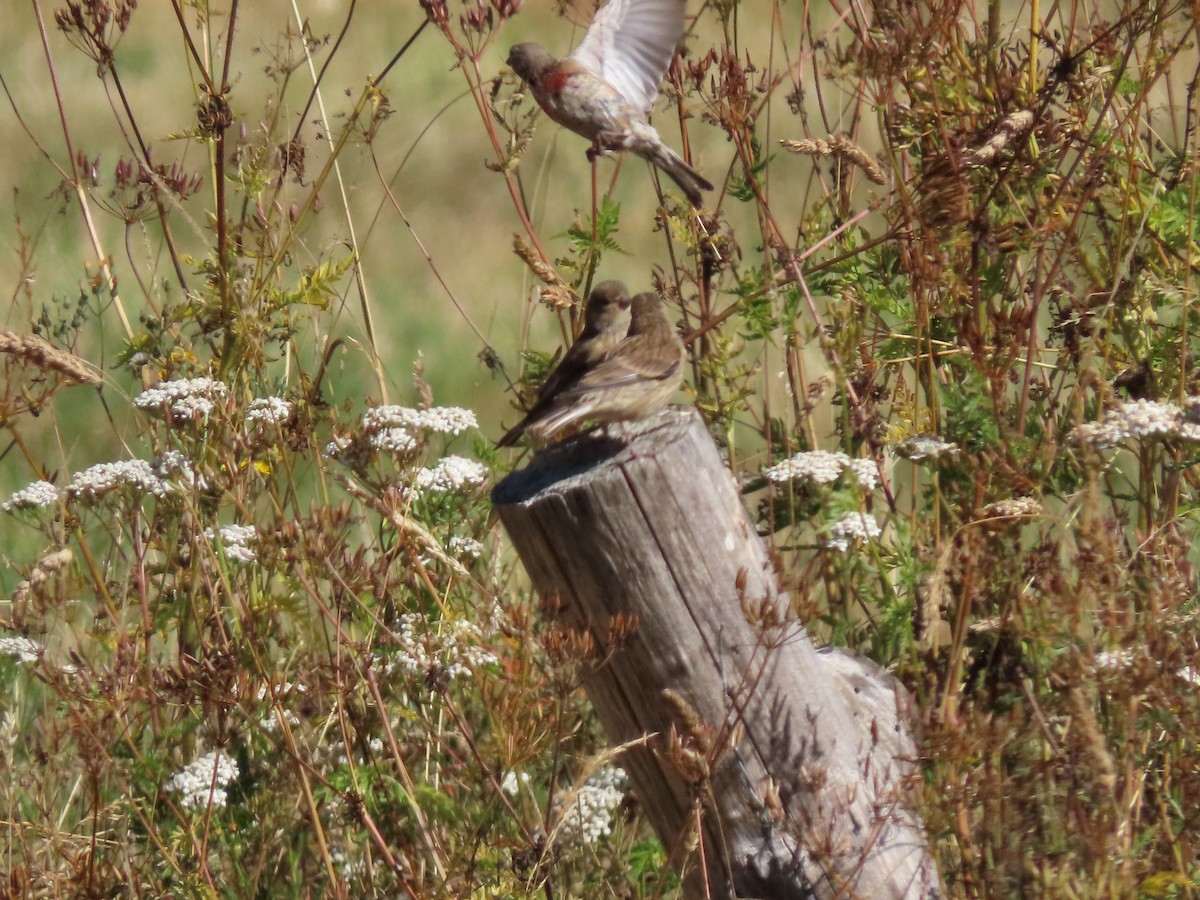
789 764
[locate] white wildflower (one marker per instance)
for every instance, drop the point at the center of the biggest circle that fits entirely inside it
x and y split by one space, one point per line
24 649
32 496
1139 419
394 440
452 473
206 778
851 527
820 466
339 445
865 472
918 447
236 541
452 647
396 429
268 412
1189 421
175 466
104 478
192 408
381 417
590 816
186 398
448 419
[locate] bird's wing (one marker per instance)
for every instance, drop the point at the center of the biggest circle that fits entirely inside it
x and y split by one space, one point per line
630 44
632 365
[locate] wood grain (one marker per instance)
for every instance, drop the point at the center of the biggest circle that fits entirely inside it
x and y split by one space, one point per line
790 763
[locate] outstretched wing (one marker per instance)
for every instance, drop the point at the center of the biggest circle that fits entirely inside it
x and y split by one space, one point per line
630 44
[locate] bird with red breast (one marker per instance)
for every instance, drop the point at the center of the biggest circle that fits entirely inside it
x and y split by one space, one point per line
605 88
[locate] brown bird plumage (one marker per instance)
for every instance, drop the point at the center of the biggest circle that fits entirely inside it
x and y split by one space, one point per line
606 322
604 90
635 380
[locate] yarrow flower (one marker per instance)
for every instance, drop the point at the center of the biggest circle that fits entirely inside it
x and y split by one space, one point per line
394 440
1142 419
268 411
452 473
396 428
32 496
206 778
865 472
380 417
852 526
174 466
160 477
104 478
236 541
24 649
590 816
451 647
448 419
918 447
186 398
824 467
819 466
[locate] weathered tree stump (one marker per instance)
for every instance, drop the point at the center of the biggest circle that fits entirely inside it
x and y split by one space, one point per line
789 764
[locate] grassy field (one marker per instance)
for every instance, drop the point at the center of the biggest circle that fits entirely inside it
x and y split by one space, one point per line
259 635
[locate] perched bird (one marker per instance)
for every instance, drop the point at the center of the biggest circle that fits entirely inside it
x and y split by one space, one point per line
605 324
635 379
605 88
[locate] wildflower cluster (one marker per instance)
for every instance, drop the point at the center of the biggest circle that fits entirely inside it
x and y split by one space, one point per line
205 781
589 817
448 648
452 474
1142 419
824 467
185 399
102 479
400 431
268 412
237 542
32 496
849 528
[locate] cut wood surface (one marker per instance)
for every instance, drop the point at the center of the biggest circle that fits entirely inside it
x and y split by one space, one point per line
791 764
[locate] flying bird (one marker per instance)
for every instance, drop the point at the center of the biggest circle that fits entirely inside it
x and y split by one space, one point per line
634 380
605 88
605 324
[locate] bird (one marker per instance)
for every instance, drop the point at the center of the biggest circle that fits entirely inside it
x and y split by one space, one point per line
632 381
605 88
605 323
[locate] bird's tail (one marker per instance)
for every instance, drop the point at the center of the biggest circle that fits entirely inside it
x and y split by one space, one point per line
651 148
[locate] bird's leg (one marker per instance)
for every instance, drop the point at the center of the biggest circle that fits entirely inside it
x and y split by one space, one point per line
595 210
